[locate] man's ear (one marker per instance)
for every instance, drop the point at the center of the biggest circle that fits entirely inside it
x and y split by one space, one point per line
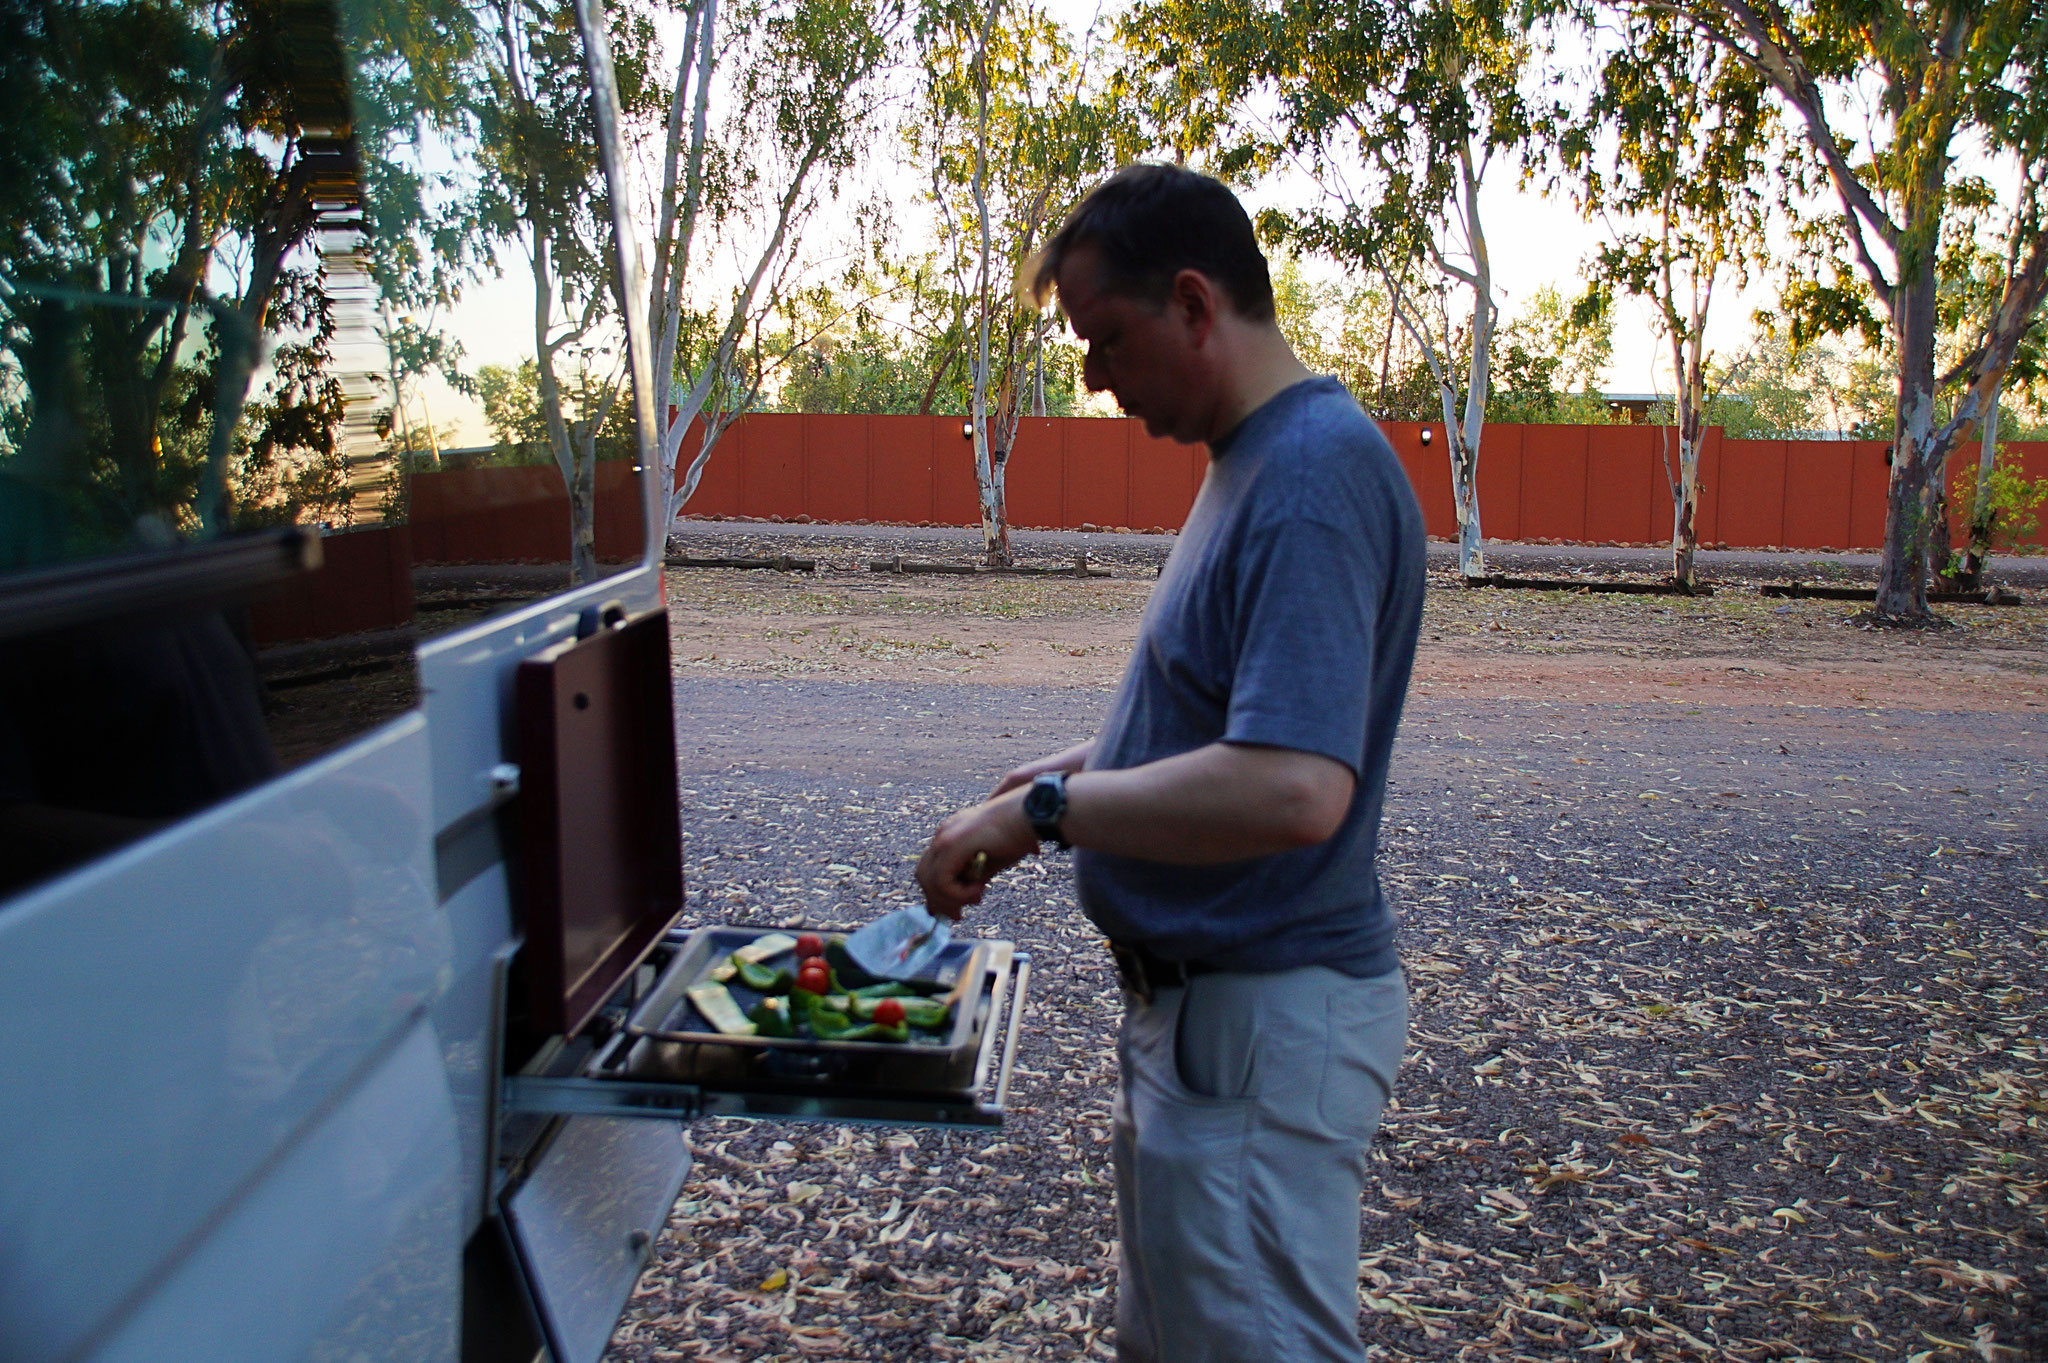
1194 301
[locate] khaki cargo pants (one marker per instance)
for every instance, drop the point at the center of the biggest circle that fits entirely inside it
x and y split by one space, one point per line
1244 1111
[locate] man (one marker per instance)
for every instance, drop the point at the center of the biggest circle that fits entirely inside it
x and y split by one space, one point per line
1227 815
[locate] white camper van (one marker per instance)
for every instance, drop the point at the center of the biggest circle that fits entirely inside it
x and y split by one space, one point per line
340 976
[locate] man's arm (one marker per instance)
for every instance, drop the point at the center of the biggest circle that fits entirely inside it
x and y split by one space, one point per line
1068 760
1223 802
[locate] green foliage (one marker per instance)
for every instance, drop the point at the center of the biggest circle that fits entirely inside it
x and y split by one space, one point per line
851 356
512 406
288 464
1547 363
2013 506
1775 390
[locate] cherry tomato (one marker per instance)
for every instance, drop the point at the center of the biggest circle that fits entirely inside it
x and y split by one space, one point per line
889 1012
815 976
809 945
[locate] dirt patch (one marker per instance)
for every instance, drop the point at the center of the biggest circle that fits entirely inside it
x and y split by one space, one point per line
1732 649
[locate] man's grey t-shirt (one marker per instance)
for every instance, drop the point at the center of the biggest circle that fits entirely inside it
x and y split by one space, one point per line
1286 617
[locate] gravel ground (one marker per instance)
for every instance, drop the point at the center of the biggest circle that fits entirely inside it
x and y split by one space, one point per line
1727 1033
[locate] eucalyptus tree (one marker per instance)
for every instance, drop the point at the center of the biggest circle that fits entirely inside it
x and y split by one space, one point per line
801 85
542 190
1910 111
1014 123
1399 112
1671 148
1971 276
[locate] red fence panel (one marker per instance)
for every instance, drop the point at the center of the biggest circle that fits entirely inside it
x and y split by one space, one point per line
772 474
1500 481
1036 473
1429 473
1099 472
1628 499
1870 476
1752 488
1163 480
835 467
1817 513
956 497
718 487
490 515
1553 482
621 516
899 469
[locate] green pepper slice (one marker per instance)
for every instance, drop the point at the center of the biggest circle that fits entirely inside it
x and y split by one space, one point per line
771 1017
825 1024
762 979
927 1017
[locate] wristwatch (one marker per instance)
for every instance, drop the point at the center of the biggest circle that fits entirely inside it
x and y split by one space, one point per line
1045 804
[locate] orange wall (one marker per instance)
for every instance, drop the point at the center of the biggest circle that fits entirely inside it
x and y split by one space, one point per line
1584 484
1588 484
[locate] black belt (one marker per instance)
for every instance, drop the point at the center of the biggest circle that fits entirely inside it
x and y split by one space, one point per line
1145 974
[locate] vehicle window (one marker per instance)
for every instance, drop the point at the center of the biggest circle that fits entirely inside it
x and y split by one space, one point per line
309 350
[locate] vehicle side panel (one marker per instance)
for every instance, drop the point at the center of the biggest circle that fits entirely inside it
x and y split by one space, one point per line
181 1016
367 1205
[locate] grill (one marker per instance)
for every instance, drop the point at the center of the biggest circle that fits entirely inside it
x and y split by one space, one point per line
665 1044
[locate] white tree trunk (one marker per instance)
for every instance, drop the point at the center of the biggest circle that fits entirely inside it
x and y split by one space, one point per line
988 471
1464 445
1982 516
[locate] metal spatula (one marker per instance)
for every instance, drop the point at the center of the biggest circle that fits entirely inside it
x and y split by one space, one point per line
905 944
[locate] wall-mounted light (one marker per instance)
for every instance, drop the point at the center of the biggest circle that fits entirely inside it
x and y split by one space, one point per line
1426 436
967 430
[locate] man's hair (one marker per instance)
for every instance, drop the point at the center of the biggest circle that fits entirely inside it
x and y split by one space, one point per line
1147 223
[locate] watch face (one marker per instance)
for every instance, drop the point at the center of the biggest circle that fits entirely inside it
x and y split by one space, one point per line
1041 801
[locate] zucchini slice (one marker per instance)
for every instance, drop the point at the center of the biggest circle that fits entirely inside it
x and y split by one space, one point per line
719 1008
761 948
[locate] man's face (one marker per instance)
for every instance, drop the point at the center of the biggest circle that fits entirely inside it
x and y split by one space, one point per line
1142 353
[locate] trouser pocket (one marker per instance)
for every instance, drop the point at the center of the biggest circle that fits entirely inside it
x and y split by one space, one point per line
1216 1037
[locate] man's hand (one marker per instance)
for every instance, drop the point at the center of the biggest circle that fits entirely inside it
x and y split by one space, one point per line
1071 760
998 827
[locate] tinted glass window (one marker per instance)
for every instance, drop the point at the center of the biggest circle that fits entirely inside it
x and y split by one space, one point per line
308 350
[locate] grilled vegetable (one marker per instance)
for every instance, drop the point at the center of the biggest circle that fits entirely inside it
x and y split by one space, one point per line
888 1012
824 1022
760 978
875 1031
771 1018
809 945
716 1004
814 976
892 989
761 948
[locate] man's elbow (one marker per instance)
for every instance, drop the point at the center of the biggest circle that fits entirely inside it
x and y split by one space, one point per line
1316 802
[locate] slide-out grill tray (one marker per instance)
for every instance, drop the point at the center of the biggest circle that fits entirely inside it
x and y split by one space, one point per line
665 1039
